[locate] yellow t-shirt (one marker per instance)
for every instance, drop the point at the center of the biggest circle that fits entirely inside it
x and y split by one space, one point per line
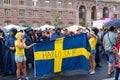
19 52
93 42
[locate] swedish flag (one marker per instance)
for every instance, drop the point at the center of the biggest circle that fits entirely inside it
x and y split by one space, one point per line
62 54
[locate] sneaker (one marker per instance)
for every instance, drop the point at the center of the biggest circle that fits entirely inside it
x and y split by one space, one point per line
110 74
92 72
19 79
26 78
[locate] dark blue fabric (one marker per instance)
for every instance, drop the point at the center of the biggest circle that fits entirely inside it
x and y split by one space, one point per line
75 63
9 56
44 39
115 23
28 29
44 46
78 41
29 52
44 67
1 54
117 74
56 35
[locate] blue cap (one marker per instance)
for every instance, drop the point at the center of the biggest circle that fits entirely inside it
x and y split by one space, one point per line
28 29
13 29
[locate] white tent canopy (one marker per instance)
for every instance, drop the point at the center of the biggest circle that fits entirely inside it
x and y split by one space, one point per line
46 26
14 26
74 28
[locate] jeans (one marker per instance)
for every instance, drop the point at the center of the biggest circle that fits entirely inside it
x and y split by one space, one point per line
117 74
110 56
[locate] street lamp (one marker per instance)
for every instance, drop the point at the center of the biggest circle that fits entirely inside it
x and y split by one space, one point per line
96 4
96 9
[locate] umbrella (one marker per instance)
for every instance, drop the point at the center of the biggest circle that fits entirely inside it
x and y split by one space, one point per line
13 26
74 28
46 26
4 30
115 23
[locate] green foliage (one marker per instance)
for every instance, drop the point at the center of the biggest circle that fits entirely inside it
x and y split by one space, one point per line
83 23
87 25
24 24
57 20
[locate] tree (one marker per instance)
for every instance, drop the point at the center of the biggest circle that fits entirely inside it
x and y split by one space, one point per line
87 25
83 22
57 20
25 24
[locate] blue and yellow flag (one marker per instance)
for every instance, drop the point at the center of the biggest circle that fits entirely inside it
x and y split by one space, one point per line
62 54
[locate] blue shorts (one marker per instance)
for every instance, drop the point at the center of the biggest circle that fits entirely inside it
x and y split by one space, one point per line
93 52
110 56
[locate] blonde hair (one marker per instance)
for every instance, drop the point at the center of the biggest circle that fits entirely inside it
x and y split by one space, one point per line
18 35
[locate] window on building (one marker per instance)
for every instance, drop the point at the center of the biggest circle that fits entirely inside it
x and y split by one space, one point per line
48 14
48 22
115 8
6 1
23 23
70 4
70 23
35 13
59 3
7 12
7 23
60 13
82 12
21 12
47 3
35 24
93 13
105 12
21 2
70 15
115 16
35 2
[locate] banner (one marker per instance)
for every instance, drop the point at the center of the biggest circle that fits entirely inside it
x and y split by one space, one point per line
62 54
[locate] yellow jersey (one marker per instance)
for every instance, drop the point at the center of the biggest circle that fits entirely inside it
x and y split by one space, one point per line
93 42
19 51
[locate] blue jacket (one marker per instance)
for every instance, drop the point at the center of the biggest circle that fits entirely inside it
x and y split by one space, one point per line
29 52
9 56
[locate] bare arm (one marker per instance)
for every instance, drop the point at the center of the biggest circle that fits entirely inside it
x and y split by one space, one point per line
12 48
103 43
27 47
23 46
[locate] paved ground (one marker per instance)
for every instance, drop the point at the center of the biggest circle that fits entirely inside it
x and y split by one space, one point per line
101 74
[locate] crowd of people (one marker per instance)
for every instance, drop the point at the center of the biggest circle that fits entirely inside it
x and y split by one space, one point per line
17 47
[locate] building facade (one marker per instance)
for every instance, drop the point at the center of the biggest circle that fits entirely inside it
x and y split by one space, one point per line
39 12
